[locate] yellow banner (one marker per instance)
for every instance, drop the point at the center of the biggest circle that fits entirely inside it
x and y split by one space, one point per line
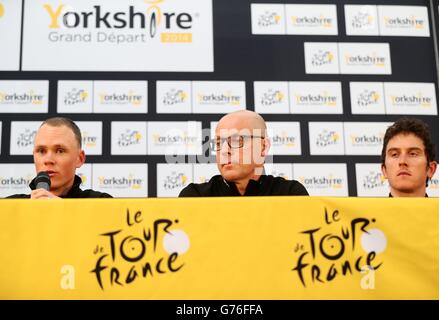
220 248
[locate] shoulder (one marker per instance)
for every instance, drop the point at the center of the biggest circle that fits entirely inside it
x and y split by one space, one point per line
18 196
191 190
200 189
294 187
89 193
77 192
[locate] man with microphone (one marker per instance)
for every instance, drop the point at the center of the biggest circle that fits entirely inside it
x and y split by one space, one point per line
57 154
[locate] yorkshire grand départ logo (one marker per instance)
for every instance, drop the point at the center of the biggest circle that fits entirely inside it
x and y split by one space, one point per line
128 182
387 20
226 98
142 249
174 139
329 181
121 99
414 100
300 19
88 140
15 182
283 139
97 23
131 35
21 98
323 98
208 96
337 247
367 140
405 22
314 21
434 184
365 60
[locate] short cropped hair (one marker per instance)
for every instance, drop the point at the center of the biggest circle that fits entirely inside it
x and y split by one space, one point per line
410 125
60 121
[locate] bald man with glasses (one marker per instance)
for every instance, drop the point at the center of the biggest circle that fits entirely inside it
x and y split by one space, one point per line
241 144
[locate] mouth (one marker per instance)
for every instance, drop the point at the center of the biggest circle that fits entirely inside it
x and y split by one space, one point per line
51 173
404 174
227 164
225 161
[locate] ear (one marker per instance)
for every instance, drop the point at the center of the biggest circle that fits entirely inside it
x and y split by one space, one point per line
265 147
432 166
81 159
383 170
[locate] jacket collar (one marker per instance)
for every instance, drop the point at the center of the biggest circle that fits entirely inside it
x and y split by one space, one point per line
390 195
74 189
253 187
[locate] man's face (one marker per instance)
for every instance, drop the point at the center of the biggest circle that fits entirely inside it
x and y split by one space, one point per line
57 152
406 164
245 157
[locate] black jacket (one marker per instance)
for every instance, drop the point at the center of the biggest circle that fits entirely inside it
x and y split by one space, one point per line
390 195
265 186
74 192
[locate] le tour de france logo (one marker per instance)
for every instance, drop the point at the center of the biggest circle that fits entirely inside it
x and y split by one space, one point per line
142 249
338 247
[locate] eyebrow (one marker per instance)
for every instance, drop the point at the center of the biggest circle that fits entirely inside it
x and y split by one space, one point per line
54 146
409 149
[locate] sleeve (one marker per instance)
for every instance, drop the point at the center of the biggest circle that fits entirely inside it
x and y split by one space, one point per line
18 196
189 191
297 189
105 195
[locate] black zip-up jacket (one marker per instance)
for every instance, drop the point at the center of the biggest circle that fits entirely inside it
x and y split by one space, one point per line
265 186
74 192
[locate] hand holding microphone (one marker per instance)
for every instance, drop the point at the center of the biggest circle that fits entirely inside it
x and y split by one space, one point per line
42 181
42 189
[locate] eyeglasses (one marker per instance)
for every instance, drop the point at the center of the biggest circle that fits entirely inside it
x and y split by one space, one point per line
234 142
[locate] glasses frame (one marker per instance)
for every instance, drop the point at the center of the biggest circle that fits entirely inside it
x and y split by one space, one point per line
215 147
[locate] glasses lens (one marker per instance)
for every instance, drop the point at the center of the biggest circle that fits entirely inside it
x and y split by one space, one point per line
235 141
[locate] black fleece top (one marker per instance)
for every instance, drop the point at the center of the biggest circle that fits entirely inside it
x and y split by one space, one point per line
265 186
74 192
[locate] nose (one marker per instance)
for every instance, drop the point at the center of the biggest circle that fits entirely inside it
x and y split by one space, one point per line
225 149
49 158
402 159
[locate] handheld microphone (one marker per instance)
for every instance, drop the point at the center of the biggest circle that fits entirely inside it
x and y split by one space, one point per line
42 181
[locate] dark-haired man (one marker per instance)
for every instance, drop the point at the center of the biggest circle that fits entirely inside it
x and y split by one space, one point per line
408 158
